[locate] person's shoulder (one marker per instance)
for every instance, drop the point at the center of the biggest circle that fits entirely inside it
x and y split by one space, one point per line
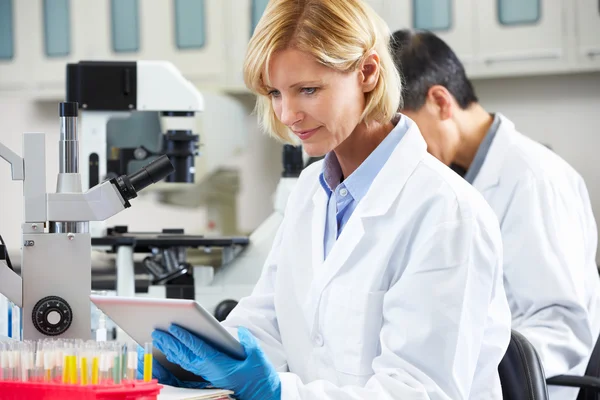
441 190
529 162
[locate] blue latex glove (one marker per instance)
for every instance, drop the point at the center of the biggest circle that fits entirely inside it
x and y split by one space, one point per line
252 378
163 375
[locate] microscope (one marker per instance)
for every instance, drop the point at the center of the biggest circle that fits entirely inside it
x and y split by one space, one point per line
55 283
109 90
106 90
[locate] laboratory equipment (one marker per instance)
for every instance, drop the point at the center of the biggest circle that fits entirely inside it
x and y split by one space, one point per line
70 369
109 89
108 92
55 283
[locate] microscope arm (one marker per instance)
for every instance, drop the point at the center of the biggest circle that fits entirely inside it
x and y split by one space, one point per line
108 198
16 162
97 204
11 284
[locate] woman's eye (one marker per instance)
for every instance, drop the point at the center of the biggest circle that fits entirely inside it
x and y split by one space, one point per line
309 90
274 93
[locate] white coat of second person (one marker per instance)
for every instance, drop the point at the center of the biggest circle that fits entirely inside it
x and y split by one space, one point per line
409 301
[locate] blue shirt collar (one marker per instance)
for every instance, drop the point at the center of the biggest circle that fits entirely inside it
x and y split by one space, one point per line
359 182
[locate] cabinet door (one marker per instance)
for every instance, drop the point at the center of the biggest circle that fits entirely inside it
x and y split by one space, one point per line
242 17
60 37
188 33
521 36
451 20
117 28
15 53
588 32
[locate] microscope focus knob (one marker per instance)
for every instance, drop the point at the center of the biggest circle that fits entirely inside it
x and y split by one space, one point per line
52 316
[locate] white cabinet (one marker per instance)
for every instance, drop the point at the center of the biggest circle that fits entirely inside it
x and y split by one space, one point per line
451 20
240 15
521 36
59 35
588 32
15 54
189 33
207 39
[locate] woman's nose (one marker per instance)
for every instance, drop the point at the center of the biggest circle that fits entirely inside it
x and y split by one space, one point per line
290 114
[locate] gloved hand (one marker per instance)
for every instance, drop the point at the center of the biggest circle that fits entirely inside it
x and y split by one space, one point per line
252 378
163 375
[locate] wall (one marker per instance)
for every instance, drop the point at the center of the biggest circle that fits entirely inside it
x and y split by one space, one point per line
223 119
561 111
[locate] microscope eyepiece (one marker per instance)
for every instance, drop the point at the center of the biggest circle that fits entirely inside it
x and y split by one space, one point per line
130 185
68 109
154 172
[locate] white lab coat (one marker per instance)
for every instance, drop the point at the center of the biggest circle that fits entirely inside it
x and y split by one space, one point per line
409 303
550 238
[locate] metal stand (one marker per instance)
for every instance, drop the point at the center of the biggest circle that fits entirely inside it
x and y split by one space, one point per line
166 263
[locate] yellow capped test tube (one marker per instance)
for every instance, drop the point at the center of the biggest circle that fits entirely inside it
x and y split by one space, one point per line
147 361
95 368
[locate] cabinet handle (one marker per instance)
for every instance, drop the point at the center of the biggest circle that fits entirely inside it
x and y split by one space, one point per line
593 53
522 57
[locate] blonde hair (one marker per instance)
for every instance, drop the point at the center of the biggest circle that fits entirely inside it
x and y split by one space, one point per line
340 34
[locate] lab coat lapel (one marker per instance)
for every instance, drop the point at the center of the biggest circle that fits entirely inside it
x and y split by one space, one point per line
318 227
384 190
489 175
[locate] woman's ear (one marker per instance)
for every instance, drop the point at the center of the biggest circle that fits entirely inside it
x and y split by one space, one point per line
369 72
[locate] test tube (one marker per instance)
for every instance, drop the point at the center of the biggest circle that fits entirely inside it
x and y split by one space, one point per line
105 365
3 361
132 361
147 361
14 361
116 363
73 367
49 361
96 366
58 359
85 361
27 361
66 365
38 375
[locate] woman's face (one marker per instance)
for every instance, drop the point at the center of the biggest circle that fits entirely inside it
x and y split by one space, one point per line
319 104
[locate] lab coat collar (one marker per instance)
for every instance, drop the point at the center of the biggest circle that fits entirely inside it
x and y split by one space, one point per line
489 175
384 190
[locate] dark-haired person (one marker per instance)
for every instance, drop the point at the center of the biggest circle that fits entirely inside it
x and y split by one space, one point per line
548 229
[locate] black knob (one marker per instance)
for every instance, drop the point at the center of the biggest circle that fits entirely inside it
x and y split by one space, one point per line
224 308
68 109
52 316
293 162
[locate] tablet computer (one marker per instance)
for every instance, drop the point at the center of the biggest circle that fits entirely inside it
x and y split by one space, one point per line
139 317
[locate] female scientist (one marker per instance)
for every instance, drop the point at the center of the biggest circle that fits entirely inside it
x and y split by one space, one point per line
385 278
